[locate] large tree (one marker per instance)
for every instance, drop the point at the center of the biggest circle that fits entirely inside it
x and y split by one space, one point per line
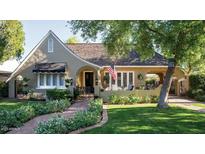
174 39
72 40
11 39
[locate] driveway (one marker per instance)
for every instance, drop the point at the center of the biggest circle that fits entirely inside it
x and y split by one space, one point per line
179 99
28 127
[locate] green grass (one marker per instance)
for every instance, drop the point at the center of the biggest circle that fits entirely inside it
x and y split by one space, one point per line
147 119
10 104
199 105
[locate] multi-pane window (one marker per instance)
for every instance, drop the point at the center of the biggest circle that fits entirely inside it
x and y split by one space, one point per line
51 80
119 79
54 79
50 45
41 80
48 79
124 79
61 80
130 78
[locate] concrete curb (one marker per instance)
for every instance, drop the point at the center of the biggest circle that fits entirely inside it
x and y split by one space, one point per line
101 123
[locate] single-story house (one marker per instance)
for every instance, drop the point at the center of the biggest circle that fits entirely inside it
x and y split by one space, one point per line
52 61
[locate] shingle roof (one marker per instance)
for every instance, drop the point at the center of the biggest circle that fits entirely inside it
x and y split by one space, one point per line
96 53
50 67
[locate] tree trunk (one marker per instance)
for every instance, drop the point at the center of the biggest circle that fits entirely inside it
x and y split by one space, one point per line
162 103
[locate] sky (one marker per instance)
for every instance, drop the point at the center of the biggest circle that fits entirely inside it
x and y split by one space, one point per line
34 32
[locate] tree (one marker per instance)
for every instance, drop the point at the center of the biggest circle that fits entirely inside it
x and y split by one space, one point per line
174 39
195 63
11 39
72 40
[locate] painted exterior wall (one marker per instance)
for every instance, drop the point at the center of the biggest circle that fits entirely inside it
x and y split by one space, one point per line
141 93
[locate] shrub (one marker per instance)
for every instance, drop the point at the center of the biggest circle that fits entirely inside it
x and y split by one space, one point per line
76 93
132 99
3 89
81 119
114 99
24 113
197 82
7 120
58 94
17 117
154 99
57 105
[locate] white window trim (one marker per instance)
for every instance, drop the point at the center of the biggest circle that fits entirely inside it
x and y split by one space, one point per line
51 86
50 39
116 82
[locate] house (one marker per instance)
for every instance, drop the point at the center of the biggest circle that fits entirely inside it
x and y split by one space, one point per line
52 61
4 75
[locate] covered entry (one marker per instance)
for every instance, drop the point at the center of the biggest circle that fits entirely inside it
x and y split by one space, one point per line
86 80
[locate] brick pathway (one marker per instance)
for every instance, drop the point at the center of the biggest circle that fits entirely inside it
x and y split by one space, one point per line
28 127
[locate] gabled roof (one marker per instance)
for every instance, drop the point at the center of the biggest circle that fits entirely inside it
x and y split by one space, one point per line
96 53
34 49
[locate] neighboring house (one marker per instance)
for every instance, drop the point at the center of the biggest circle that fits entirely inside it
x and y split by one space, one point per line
4 75
52 61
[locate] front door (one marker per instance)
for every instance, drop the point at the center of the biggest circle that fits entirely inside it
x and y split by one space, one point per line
89 87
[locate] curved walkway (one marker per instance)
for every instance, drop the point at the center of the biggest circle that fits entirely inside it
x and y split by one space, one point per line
28 127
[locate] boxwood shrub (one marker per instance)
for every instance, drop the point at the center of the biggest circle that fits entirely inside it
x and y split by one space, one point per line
16 118
61 125
58 94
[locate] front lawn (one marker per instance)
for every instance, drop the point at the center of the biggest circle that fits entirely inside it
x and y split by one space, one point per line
147 119
199 105
8 104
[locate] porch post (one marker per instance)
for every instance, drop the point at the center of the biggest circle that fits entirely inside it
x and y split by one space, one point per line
99 85
12 88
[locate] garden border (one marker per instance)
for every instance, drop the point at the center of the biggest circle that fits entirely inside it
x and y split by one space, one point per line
101 123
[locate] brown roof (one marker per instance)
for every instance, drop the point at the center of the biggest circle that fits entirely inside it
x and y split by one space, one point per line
96 53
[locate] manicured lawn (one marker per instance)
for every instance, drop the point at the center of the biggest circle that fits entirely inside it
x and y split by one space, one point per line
199 105
10 104
146 119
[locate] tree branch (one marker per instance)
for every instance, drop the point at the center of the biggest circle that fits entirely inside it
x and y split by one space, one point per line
153 30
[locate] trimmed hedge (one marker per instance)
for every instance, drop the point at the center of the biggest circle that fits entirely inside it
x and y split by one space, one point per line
132 99
197 87
61 125
16 118
58 94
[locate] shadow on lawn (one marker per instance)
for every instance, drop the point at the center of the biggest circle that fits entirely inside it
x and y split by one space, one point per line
149 120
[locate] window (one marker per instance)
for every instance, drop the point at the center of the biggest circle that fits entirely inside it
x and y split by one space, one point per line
50 45
124 79
41 79
46 81
54 79
61 80
119 80
130 78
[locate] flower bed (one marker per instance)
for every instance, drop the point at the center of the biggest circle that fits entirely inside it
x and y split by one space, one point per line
61 125
17 117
